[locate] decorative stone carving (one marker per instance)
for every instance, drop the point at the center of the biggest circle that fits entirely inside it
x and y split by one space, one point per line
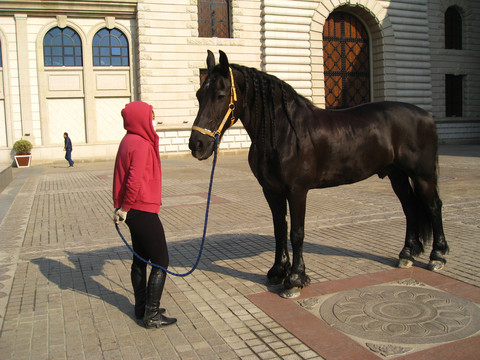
387 350
410 282
309 303
401 314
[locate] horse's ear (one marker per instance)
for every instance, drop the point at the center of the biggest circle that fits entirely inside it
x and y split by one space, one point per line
210 61
224 65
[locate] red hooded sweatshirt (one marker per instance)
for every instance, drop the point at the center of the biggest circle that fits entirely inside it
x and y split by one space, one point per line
137 179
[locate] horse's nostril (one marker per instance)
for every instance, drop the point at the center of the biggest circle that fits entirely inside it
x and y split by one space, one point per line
194 144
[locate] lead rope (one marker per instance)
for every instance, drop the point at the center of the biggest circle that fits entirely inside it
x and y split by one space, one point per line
215 150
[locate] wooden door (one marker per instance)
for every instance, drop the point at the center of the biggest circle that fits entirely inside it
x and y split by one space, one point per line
346 61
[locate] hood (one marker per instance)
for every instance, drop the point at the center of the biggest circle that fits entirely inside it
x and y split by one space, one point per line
137 119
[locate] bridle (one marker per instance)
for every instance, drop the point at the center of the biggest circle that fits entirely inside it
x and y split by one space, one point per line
231 107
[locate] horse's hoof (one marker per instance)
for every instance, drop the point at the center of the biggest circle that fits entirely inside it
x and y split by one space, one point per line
290 293
436 265
405 263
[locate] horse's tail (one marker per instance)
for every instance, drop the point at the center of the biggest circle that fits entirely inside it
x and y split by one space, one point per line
424 224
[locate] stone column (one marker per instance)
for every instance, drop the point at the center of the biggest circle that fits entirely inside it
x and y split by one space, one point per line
24 77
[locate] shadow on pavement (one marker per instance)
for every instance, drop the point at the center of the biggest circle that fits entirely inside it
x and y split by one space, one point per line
89 266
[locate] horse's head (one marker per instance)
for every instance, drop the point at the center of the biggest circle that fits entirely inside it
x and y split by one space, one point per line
216 99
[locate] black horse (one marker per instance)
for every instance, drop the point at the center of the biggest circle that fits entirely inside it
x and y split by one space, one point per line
297 147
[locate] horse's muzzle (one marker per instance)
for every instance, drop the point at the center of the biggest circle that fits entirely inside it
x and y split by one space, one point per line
201 145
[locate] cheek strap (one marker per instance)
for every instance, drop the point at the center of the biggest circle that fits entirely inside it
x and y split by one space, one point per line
231 107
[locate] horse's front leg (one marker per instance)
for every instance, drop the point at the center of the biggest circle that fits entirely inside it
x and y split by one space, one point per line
297 279
278 207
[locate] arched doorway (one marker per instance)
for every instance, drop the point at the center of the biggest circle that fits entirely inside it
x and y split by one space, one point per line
345 61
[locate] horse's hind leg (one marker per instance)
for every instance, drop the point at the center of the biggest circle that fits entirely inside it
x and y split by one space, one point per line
403 190
278 206
427 190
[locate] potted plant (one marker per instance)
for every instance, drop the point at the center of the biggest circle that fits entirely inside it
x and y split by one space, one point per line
22 149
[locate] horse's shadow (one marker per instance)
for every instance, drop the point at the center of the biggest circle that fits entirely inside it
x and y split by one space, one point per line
89 265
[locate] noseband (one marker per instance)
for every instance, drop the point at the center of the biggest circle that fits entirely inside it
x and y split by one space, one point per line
231 107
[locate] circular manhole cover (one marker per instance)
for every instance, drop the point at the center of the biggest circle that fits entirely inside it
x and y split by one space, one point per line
401 314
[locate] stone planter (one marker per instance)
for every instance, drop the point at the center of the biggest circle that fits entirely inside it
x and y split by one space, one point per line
22 160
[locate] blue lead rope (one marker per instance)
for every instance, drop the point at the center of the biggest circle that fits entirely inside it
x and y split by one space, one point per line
215 150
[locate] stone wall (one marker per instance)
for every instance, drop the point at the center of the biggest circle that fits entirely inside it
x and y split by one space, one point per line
282 37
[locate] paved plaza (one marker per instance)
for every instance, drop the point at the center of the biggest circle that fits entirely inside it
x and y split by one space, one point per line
65 289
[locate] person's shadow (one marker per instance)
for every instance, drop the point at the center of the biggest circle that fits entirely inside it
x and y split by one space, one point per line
81 277
89 276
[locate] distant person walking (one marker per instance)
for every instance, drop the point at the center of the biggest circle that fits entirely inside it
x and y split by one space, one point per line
68 149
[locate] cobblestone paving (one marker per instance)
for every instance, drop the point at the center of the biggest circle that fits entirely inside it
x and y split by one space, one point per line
65 287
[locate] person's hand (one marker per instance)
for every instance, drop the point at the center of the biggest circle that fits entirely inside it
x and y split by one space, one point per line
119 216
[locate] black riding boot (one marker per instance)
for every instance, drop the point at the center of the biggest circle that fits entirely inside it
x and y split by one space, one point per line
138 275
153 315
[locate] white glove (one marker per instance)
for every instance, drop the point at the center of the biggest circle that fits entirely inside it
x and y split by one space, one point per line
119 216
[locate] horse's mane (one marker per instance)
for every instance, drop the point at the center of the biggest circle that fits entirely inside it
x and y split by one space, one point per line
264 87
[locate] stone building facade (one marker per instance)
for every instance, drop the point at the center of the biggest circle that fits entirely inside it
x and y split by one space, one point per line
156 51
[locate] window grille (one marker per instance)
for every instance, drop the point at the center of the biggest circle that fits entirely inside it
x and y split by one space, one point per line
214 18
62 47
346 61
110 48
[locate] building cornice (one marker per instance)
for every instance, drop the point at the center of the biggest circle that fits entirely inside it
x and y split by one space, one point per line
83 8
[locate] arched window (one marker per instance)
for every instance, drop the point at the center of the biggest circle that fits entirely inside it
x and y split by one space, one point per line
62 47
453 29
110 48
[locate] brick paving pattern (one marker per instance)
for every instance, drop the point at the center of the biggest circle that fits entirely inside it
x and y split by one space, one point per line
65 289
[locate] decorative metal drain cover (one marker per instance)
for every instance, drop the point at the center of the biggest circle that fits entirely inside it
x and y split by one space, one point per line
396 314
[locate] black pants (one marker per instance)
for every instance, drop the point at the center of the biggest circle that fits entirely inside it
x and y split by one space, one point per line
148 237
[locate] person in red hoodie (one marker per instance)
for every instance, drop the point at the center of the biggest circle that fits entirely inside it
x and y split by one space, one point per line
137 196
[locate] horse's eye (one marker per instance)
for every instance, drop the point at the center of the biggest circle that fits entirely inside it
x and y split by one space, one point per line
220 95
